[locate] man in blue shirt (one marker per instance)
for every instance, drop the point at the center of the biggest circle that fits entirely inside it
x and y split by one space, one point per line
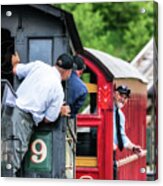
39 99
77 90
121 96
120 139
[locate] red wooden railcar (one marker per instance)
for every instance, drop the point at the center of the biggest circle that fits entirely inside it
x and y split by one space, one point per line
95 126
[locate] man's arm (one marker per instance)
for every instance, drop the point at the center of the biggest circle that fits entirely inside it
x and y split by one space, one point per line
134 148
126 141
22 70
65 111
131 146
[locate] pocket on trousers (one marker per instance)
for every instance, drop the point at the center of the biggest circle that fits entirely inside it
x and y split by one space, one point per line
28 127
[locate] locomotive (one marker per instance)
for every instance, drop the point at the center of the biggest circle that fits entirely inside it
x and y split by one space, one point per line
80 148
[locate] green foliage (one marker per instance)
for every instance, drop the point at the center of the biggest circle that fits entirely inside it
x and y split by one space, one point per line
118 28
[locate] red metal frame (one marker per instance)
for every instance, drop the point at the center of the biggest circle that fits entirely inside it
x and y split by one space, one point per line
103 121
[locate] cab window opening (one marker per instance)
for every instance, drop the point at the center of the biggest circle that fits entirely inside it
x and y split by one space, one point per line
90 79
87 141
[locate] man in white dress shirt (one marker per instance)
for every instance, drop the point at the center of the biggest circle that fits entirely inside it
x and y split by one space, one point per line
39 99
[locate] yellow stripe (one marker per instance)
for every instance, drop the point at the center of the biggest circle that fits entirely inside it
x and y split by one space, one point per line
92 88
86 161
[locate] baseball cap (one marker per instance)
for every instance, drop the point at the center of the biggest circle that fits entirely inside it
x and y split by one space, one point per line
66 62
79 63
123 89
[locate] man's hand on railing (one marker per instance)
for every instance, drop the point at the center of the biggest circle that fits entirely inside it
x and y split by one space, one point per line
138 150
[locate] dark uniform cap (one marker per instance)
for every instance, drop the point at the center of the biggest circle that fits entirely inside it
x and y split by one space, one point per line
123 89
79 63
66 62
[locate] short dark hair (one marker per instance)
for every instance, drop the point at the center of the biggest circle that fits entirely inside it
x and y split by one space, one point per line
79 63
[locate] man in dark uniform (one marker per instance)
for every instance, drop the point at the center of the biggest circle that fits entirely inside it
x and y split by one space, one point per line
77 90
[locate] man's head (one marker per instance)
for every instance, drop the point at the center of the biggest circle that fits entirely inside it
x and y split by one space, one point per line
65 64
121 95
80 66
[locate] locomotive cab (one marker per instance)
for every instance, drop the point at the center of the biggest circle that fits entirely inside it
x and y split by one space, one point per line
41 32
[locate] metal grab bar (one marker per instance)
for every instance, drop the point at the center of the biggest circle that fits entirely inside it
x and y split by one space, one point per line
72 133
6 82
130 159
69 167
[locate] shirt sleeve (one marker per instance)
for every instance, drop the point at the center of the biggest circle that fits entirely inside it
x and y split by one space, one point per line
22 70
54 108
